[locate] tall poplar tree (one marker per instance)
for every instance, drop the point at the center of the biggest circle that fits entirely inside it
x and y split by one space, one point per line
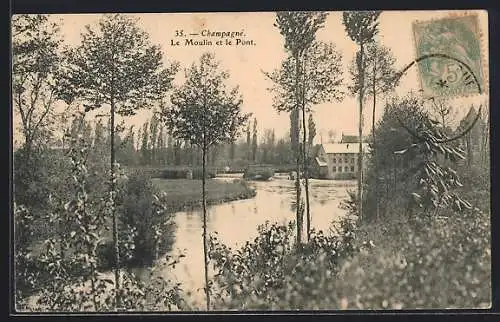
380 77
361 27
205 113
310 75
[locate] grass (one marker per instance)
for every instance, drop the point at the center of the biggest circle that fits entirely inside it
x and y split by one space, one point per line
185 194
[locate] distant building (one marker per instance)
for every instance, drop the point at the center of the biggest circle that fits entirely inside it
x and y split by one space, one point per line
336 160
347 138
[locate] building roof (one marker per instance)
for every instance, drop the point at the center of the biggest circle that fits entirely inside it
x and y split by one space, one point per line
348 138
321 163
315 149
343 147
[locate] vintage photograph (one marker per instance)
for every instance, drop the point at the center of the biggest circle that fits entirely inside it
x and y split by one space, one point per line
239 161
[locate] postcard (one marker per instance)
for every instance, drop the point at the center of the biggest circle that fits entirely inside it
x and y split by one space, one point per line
239 161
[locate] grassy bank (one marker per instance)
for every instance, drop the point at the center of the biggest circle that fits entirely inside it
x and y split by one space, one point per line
185 194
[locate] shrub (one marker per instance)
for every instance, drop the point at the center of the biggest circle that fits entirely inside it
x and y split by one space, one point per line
258 173
198 173
266 272
142 209
435 264
177 173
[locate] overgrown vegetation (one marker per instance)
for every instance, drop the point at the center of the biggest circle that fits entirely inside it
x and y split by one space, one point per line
65 275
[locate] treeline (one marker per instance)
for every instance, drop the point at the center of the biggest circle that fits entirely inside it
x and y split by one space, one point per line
151 145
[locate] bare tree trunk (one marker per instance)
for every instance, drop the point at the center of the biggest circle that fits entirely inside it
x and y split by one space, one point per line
468 139
375 170
360 157
113 212
306 176
205 241
305 154
297 154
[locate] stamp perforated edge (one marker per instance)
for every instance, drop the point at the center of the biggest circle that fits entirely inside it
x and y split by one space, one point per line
484 60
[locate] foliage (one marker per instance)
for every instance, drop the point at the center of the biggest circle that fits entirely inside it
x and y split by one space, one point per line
441 264
361 26
321 78
185 194
182 173
115 61
258 173
297 85
358 268
420 154
35 177
270 272
311 130
24 264
35 63
71 259
299 28
145 209
203 111
116 65
254 140
444 112
379 73
65 277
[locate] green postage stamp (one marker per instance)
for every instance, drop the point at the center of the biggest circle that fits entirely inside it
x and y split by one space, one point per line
449 55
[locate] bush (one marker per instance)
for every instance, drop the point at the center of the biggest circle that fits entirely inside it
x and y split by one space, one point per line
435 264
38 176
198 173
142 209
258 173
174 172
270 272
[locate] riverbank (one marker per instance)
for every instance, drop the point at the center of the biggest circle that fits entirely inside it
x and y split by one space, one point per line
183 194
425 261
422 263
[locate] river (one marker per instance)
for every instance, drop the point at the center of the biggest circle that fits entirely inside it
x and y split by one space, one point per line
236 222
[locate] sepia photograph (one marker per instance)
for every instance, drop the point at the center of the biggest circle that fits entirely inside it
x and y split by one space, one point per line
250 161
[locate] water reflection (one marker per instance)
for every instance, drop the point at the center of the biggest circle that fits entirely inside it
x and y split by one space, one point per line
236 222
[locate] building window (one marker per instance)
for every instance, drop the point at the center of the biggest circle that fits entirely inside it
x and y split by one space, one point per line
334 169
352 160
340 169
352 168
346 169
334 160
345 160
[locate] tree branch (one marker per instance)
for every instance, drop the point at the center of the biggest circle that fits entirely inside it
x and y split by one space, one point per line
421 139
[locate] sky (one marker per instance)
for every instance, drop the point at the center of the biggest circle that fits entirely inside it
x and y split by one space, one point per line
246 63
